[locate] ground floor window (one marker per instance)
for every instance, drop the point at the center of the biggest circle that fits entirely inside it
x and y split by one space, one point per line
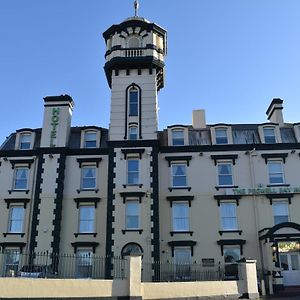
231 256
12 258
182 262
84 263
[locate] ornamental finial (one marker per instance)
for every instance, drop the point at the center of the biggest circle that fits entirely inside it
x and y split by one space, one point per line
136 7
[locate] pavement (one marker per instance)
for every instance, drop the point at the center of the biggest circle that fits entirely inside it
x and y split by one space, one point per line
291 293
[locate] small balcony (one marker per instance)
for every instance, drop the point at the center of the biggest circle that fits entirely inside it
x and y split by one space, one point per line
133 52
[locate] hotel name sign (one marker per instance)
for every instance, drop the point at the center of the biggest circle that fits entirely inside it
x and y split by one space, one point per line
54 125
266 190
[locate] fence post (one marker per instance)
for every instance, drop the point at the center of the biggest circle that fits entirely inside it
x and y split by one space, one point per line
135 277
249 276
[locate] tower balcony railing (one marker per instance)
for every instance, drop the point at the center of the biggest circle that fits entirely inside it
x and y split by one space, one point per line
133 52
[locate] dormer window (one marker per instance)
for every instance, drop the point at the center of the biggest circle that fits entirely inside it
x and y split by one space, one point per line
133 101
269 135
133 133
177 137
221 136
25 141
90 139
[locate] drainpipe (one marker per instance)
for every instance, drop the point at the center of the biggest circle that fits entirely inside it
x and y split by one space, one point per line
253 153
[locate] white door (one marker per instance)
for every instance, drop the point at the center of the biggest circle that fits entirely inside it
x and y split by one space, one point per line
290 265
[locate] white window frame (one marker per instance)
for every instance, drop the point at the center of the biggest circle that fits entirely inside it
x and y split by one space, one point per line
127 215
219 129
177 130
280 202
228 264
13 219
82 219
16 179
84 258
174 164
269 162
268 136
225 217
82 178
220 163
129 172
85 140
185 218
21 142
12 267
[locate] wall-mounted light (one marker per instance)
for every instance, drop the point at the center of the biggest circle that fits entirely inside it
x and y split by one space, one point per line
50 155
5 159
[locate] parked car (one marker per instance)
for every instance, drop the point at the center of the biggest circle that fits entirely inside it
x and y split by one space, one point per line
37 271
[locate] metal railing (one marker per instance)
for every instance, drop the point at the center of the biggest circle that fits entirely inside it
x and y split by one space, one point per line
164 272
65 266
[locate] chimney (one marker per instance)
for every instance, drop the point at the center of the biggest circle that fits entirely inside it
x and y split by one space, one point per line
199 119
274 111
57 121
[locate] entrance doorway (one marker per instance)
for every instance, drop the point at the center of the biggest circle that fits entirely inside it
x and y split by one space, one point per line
289 256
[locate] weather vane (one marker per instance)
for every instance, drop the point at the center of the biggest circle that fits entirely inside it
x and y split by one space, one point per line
136 7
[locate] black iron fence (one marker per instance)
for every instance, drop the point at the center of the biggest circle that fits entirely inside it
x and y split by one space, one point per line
66 266
164 272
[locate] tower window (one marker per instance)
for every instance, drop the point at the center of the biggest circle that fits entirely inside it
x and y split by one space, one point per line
133 132
133 42
133 101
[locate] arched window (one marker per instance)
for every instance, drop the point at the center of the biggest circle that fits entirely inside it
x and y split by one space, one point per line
132 248
133 132
133 42
133 101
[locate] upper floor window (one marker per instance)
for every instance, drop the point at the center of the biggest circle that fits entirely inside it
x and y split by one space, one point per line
20 178
228 216
132 214
86 219
221 136
90 139
88 178
133 133
178 175
280 212
133 101
25 141
225 174
133 171
177 137
269 135
180 216
16 219
275 169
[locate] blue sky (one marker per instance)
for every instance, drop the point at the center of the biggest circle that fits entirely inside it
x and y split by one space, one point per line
229 57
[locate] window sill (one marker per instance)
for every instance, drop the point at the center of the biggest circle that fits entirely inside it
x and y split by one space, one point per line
226 187
132 230
230 231
171 188
94 234
181 232
21 234
18 191
279 184
140 185
87 190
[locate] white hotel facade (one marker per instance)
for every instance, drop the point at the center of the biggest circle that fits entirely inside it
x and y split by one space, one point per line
202 193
